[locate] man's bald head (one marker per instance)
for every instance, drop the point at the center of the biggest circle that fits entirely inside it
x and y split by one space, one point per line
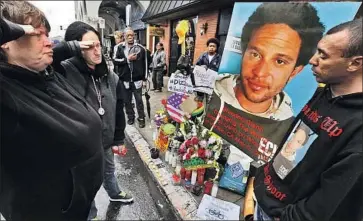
129 35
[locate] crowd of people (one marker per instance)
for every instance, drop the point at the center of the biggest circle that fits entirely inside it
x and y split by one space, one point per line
62 114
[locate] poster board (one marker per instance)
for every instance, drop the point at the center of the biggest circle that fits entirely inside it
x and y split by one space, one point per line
180 83
266 79
204 79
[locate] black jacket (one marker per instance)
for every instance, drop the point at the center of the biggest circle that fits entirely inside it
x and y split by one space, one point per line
139 67
214 64
78 74
51 155
326 182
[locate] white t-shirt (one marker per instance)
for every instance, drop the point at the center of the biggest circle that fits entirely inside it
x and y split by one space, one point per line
210 57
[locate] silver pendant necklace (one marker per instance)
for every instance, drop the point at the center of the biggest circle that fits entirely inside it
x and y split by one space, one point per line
101 111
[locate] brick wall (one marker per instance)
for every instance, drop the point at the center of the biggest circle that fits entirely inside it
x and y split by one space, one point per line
201 40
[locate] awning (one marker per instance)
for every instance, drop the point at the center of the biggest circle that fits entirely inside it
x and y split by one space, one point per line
137 25
158 9
161 10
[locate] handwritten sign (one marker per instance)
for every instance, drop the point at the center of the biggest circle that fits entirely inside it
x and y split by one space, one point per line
180 83
212 208
204 79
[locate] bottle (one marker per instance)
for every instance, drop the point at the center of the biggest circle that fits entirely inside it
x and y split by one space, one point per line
215 189
182 173
208 185
200 177
178 166
174 159
194 177
171 157
167 155
188 175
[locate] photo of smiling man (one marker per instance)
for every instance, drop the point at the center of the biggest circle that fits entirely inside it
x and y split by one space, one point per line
251 110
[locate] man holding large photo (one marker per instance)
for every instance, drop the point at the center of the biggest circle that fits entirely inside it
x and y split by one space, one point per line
327 183
277 42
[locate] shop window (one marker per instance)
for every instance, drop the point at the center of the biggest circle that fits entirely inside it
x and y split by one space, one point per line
142 37
224 20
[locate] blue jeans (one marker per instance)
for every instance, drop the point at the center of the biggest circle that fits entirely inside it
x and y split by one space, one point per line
260 215
109 180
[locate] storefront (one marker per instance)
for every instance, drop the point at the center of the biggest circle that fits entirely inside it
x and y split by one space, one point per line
207 146
203 25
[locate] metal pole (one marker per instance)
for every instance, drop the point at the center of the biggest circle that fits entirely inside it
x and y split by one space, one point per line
102 36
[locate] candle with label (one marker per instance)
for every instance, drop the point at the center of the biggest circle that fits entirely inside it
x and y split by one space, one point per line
194 177
215 189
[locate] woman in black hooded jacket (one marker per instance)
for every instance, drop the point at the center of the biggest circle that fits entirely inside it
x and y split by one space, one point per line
88 73
51 158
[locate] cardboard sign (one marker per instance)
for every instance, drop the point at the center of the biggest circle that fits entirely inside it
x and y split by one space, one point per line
156 31
180 83
189 105
204 79
101 22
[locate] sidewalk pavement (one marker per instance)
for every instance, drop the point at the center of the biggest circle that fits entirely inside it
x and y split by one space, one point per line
184 203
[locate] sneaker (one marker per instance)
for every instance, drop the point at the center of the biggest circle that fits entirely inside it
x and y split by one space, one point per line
130 121
159 90
153 89
141 122
122 197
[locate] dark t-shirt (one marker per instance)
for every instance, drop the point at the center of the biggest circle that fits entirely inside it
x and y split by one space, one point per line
256 136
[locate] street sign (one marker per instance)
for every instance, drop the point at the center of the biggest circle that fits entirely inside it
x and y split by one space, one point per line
156 31
101 22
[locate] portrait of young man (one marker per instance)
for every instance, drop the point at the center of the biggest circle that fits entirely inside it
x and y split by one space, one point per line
251 110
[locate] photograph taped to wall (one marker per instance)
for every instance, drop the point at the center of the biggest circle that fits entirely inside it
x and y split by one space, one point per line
253 107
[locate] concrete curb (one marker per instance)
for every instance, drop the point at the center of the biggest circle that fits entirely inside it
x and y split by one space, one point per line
183 203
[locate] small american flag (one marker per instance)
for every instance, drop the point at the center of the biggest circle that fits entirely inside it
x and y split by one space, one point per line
173 108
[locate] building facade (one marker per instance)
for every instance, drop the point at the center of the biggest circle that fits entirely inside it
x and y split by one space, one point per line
204 22
214 15
114 14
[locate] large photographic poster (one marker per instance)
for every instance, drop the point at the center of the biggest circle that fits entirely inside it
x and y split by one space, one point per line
265 78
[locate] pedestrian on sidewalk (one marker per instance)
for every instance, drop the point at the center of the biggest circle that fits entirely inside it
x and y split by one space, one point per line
209 60
119 39
87 72
132 62
51 157
158 66
327 182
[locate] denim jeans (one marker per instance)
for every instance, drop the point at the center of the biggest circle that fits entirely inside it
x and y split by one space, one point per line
109 180
260 215
128 102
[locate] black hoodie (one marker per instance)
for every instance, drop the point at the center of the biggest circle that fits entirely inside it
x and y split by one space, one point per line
68 61
51 157
327 183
